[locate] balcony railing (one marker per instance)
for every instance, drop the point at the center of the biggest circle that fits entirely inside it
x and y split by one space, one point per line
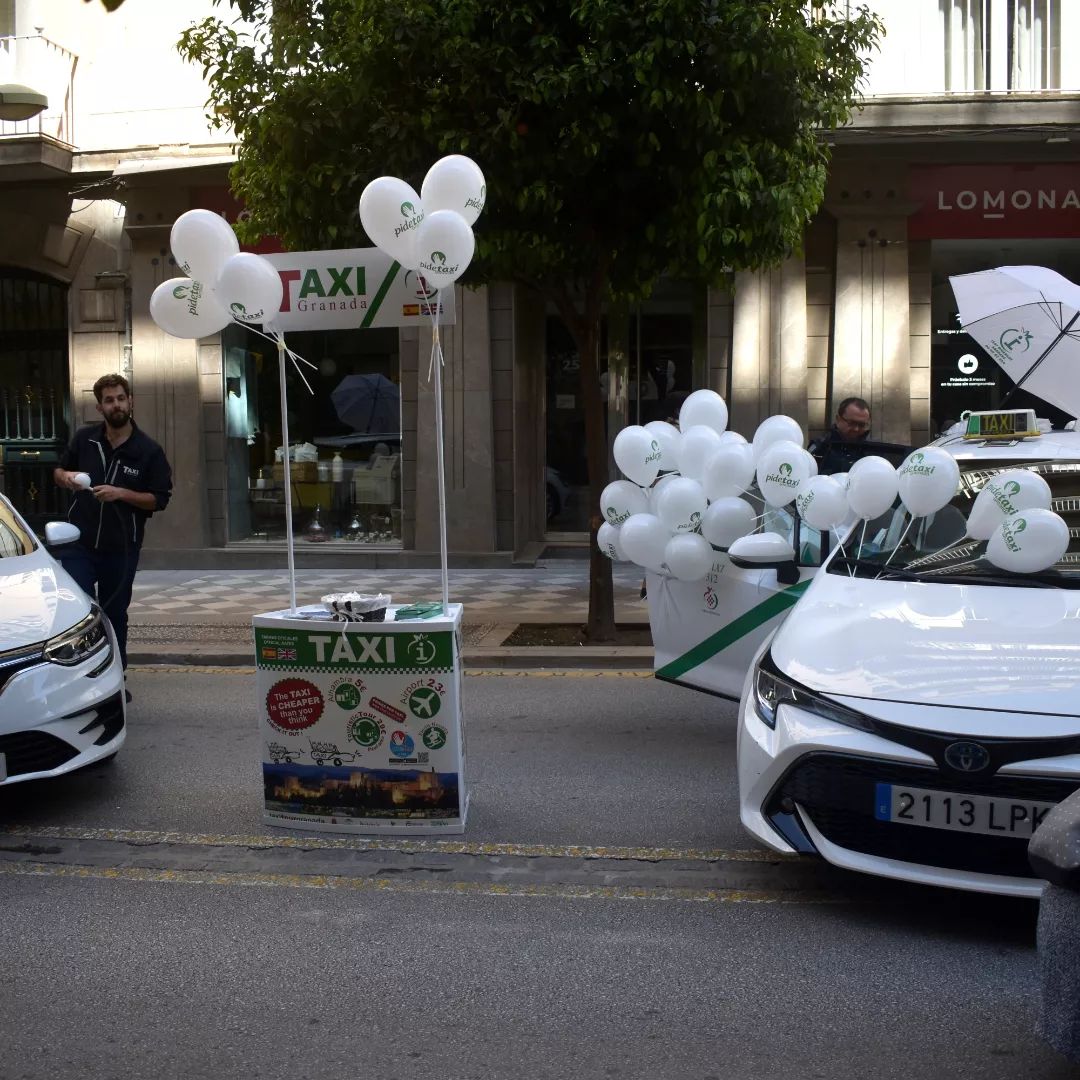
35 61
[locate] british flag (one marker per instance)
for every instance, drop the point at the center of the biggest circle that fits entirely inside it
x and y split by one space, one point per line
286 654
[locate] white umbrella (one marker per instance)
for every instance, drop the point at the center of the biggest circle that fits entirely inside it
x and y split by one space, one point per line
1028 319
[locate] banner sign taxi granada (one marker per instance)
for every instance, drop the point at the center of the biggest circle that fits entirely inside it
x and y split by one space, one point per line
361 727
353 288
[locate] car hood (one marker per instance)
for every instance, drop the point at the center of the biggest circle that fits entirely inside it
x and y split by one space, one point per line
37 600
974 646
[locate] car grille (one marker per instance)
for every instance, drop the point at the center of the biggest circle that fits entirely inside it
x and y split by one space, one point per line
837 791
34 751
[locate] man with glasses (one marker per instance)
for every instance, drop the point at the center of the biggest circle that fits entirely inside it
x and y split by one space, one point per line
845 443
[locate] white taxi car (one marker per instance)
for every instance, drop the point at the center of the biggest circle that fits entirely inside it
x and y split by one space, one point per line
61 681
911 717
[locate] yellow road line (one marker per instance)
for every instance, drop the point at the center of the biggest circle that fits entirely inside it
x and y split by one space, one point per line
487 673
442 847
459 888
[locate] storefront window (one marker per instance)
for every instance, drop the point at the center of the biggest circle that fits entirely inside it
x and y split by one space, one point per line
345 438
963 377
652 352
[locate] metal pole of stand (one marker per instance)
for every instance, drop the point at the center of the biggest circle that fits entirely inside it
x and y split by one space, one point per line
286 472
440 457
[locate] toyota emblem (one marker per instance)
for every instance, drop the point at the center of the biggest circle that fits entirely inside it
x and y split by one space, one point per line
967 757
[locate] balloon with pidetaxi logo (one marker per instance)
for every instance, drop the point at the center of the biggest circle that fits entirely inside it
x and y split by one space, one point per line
669 438
821 502
681 505
620 499
249 288
638 454
201 242
444 247
871 486
391 213
780 470
607 540
729 471
927 479
1003 495
455 183
775 429
187 309
1029 542
727 519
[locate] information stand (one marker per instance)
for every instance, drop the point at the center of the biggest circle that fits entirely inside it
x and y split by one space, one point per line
361 724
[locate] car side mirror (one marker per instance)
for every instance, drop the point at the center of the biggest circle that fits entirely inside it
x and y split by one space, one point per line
765 551
61 532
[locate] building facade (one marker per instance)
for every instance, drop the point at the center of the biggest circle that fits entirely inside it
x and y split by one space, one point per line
965 155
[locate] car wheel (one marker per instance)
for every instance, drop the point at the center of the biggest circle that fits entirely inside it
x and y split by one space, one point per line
553 506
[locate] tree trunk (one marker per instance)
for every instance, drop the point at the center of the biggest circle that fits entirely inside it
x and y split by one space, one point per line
601 626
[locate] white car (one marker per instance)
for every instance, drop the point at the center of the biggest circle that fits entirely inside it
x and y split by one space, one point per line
61 681
912 723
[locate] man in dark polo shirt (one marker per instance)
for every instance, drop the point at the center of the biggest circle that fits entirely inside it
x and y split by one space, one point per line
130 480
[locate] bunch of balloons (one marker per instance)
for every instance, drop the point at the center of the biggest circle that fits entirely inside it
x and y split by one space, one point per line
683 496
430 233
222 283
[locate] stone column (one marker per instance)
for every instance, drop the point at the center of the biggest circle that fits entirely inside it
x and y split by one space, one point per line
871 327
768 352
467 426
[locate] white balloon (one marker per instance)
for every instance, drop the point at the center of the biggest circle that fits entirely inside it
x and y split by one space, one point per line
644 539
733 437
705 407
780 470
249 288
928 479
688 556
811 463
699 443
654 491
455 183
1002 496
681 505
871 486
776 429
81 480
391 213
201 241
729 471
187 309
1029 541
726 520
842 478
444 247
638 454
620 499
607 540
669 438
821 502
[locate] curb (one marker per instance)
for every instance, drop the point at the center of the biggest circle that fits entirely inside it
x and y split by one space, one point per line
594 657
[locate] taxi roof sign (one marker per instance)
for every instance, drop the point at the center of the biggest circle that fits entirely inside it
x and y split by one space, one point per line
1002 424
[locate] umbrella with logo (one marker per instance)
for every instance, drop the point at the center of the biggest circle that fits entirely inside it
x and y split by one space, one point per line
1028 319
370 404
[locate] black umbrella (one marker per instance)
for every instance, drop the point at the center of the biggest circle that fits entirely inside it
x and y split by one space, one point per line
369 404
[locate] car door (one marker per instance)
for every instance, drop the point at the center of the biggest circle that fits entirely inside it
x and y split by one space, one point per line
705 633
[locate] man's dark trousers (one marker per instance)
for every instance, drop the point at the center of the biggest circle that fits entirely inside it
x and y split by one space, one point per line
114 574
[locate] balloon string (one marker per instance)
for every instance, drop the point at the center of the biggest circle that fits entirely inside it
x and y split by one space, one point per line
862 540
940 551
278 339
903 537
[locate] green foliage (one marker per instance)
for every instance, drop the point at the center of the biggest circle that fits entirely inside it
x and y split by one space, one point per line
620 140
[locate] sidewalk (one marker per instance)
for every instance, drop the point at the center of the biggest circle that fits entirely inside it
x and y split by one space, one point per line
204 616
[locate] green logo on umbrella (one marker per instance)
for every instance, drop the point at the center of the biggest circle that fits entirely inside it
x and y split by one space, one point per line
1013 339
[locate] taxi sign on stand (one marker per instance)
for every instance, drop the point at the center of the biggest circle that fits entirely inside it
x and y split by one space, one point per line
1002 424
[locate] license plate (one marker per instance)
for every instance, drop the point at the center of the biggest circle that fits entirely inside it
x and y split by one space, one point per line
958 811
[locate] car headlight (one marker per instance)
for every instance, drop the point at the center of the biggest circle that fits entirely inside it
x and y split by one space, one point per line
82 641
773 689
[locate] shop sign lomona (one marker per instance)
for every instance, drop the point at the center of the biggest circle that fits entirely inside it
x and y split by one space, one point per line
1038 200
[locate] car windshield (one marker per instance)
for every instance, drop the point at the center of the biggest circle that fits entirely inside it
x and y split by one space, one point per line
931 549
14 538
